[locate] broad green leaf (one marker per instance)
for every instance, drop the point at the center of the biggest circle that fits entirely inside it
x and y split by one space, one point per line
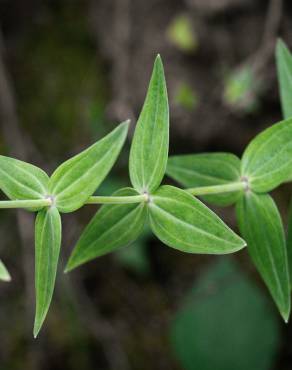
225 323
267 161
149 150
183 222
76 179
4 274
47 249
284 73
261 225
207 169
21 180
113 226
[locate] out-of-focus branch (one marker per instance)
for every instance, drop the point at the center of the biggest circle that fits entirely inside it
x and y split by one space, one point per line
271 27
116 45
16 143
103 331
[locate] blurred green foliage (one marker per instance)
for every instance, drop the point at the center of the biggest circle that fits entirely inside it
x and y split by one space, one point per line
181 33
225 323
241 90
186 97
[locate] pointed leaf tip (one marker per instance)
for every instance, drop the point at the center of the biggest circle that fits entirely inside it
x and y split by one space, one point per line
280 43
126 123
184 223
47 249
4 274
149 149
261 225
284 73
76 179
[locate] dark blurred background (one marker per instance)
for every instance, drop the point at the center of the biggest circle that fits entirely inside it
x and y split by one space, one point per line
70 70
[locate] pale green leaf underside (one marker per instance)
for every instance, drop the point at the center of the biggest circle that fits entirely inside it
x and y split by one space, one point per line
47 249
195 170
183 222
267 161
284 72
21 180
77 179
113 226
4 274
261 225
149 150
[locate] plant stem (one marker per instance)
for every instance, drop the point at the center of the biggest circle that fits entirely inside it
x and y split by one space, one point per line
32 203
202 190
117 200
217 189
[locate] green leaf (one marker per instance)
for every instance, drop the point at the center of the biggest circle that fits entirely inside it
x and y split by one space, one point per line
21 180
77 179
47 249
261 225
225 323
267 161
4 274
284 72
112 227
289 241
207 169
149 150
184 223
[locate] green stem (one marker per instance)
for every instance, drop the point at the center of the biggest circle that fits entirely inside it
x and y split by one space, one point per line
117 200
217 189
33 203
202 190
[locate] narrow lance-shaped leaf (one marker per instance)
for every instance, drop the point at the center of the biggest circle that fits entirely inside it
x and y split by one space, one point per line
267 161
183 222
47 249
149 150
289 241
21 180
4 274
113 226
76 179
284 73
261 225
195 170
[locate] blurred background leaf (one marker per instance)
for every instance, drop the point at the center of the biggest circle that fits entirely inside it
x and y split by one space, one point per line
226 323
241 90
181 33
